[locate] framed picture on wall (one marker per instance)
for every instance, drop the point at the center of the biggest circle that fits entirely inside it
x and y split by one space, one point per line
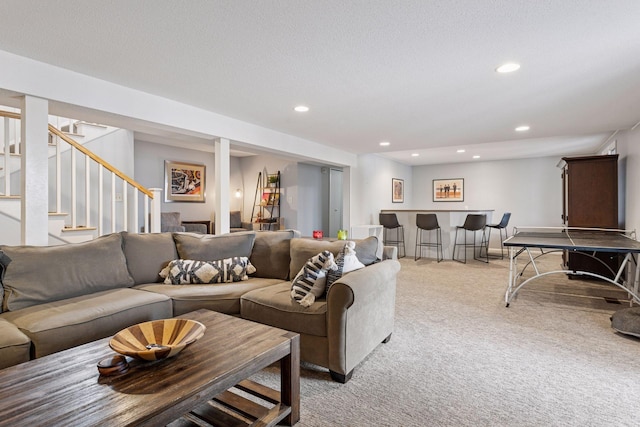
448 190
184 182
397 190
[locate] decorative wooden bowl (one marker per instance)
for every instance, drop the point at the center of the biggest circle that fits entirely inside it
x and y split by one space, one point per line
158 339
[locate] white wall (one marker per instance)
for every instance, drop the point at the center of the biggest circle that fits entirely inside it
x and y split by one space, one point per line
149 172
249 168
313 199
531 189
301 184
629 161
371 188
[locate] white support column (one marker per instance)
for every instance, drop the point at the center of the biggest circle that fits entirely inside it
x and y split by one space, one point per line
223 170
34 226
7 156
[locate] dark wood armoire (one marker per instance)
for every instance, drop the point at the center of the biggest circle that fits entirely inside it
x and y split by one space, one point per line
590 199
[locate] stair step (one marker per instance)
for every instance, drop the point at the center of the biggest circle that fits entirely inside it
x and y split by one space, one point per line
75 135
98 125
10 197
58 214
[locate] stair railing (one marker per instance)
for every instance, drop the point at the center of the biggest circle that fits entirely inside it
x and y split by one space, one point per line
140 195
8 132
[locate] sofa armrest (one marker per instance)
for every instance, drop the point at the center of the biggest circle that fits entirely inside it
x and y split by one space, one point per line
360 313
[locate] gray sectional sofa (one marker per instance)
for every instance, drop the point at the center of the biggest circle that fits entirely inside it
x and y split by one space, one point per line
57 297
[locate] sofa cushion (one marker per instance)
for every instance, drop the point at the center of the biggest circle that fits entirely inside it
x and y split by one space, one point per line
63 324
187 271
273 306
147 254
367 250
303 248
41 274
14 345
223 298
271 253
209 247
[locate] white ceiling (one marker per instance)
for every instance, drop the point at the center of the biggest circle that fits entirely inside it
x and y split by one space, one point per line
417 73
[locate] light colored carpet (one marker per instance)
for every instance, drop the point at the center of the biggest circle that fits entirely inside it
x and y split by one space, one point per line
459 357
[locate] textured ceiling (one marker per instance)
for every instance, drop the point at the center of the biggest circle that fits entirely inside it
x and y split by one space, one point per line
417 73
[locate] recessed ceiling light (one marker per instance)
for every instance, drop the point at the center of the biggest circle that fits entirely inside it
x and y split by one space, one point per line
415 154
509 67
385 144
476 157
301 108
522 128
460 151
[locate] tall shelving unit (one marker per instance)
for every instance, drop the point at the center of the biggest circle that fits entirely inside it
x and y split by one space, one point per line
590 199
265 214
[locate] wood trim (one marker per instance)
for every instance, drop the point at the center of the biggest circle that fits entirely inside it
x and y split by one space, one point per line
10 115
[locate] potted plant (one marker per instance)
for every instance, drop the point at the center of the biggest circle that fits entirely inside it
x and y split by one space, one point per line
273 180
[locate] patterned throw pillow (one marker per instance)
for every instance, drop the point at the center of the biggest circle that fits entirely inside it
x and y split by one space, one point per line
185 271
347 261
310 282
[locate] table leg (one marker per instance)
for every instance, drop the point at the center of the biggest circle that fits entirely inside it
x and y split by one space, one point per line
512 261
636 279
290 381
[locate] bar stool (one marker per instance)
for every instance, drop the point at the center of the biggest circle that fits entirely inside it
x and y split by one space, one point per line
502 225
390 222
473 223
428 223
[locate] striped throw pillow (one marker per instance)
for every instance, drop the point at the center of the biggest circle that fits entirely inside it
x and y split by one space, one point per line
311 280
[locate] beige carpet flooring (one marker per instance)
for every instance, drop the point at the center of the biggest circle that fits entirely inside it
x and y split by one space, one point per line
459 357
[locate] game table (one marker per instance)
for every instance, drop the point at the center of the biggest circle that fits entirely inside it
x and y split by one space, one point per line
539 241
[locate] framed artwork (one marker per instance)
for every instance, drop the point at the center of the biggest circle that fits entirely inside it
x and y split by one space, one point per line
448 190
397 190
184 182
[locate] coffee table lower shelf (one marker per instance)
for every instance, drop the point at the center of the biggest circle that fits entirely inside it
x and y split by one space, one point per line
231 409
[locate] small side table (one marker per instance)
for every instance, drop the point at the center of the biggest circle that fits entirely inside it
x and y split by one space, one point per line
364 231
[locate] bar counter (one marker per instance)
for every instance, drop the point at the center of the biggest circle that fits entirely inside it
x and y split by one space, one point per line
448 219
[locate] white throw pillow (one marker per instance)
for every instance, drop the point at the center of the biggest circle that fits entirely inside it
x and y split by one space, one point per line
347 261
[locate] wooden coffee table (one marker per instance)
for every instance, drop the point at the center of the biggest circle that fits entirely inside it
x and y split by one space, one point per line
197 385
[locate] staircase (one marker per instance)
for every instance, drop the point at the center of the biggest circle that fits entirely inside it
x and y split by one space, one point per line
88 197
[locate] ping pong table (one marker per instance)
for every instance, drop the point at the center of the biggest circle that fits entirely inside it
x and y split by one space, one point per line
587 241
